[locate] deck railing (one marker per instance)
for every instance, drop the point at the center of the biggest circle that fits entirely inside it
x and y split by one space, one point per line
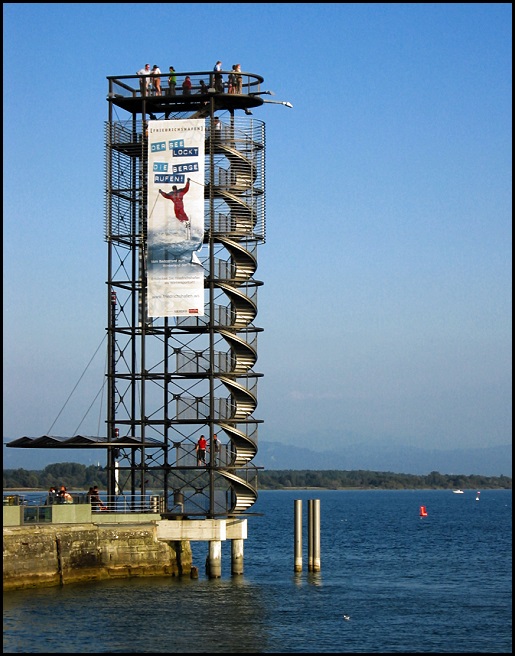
130 86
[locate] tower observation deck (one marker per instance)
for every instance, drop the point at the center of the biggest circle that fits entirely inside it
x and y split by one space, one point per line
184 215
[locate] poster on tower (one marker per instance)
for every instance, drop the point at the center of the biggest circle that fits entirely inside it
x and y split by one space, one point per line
175 210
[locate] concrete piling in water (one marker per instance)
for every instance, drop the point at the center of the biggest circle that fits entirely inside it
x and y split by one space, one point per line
236 557
297 539
310 535
316 535
214 560
313 535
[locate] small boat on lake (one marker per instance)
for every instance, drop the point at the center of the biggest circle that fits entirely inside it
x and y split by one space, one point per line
458 491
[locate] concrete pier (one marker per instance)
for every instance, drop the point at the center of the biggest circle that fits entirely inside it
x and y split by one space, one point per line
60 554
113 545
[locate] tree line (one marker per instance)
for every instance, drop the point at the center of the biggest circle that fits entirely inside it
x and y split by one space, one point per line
361 479
80 477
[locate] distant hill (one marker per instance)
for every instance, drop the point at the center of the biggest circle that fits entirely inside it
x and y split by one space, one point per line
366 455
488 461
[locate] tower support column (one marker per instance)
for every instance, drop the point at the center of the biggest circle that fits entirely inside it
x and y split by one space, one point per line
236 556
214 560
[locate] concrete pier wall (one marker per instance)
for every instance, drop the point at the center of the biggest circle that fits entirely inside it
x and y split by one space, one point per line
49 555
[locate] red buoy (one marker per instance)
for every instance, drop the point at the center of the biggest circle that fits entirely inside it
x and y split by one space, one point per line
423 511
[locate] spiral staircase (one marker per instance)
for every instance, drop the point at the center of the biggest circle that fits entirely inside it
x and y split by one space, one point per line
235 192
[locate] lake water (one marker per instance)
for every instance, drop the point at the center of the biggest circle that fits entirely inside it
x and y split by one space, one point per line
435 584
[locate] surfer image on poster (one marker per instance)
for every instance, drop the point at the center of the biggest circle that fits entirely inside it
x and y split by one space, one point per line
172 234
176 196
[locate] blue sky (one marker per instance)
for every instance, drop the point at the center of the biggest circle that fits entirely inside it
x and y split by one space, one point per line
386 303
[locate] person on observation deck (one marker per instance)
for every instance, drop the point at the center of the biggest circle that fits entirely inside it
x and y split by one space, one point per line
238 79
186 86
218 77
156 81
172 81
144 82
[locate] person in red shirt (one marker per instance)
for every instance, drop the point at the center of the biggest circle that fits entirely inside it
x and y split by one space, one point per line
176 196
186 86
201 450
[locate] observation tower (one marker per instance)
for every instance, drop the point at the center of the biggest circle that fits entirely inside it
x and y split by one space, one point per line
184 216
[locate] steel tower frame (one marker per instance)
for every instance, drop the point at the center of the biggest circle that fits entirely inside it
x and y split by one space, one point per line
171 379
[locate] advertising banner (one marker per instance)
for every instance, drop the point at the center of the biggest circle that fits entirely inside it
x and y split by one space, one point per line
175 202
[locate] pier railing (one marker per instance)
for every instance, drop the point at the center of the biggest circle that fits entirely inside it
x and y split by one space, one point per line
22 509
